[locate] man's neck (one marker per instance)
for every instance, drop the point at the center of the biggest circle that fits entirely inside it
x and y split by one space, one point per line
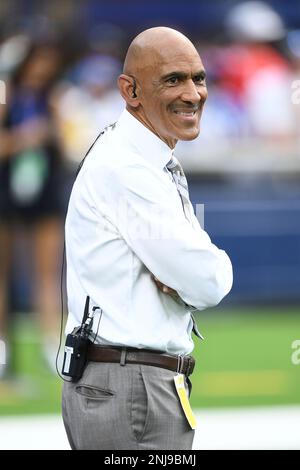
143 120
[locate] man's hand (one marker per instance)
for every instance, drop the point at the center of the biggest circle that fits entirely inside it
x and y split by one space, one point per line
165 289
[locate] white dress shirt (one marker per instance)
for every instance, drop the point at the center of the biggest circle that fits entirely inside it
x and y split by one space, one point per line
125 221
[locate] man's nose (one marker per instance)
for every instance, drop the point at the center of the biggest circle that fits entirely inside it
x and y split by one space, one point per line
191 92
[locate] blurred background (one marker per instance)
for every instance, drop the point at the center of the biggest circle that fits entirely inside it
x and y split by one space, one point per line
59 62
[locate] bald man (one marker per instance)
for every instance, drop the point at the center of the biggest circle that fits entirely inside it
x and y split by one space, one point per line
136 250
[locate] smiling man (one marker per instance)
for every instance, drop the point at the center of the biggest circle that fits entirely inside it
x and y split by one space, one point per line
135 247
165 71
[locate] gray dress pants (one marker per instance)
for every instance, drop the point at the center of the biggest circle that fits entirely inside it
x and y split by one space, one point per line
130 407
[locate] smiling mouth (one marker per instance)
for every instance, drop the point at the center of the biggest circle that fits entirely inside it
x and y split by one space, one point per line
185 113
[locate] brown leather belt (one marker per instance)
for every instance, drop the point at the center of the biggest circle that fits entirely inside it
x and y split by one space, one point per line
181 364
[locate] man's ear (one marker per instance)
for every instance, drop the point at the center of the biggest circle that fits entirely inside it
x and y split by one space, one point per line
127 86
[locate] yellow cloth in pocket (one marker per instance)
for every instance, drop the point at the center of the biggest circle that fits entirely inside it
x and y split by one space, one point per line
183 397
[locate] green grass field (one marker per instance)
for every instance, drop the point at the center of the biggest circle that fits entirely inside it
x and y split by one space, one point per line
245 360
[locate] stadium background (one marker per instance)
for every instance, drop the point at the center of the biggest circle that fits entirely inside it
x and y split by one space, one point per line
245 169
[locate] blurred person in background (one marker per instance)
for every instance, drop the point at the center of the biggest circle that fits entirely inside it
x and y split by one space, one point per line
30 176
86 102
256 72
250 79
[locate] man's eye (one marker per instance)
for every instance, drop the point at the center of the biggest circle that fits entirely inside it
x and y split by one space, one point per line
173 80
199 79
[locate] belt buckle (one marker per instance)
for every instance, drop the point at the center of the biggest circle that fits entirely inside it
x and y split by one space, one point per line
190 365
180 363
188 370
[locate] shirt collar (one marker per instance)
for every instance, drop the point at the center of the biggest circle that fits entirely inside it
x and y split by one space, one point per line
151 147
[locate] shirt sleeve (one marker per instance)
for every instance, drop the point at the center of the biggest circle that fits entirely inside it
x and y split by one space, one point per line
179 254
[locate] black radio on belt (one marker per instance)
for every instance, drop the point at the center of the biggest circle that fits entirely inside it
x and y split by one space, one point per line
77 342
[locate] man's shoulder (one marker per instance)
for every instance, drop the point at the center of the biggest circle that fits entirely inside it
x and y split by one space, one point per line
111 153
114 163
